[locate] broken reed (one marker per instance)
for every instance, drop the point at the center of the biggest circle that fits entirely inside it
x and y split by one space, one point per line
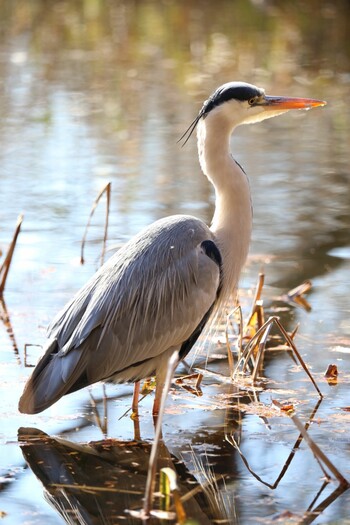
107 190
5 267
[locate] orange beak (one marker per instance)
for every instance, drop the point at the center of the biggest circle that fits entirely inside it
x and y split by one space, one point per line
277 103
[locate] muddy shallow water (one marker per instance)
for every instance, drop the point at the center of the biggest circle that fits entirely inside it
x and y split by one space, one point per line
97 92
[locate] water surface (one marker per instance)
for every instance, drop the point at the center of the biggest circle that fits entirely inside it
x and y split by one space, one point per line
95 92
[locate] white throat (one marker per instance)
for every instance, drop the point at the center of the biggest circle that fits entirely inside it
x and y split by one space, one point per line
232 221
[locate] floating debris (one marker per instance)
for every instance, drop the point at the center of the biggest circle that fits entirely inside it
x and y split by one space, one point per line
296 295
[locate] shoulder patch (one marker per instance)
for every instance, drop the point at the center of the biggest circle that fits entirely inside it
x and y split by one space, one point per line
212 251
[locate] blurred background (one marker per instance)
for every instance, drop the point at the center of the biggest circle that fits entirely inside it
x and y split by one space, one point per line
97 91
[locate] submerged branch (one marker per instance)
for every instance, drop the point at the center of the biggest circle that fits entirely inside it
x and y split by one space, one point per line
318 452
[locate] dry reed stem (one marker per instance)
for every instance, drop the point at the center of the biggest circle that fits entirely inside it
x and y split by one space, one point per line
198 382
257 297
260 313
298 356
240 339
296 295
261 351
220 377
256 316
5 318
228 347
107 190
255 322
229 353
292 336
196 390
294 333
249 349
260 334
300 289
92 488
200 488
4 269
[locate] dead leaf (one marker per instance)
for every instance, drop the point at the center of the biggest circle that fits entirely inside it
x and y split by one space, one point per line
331 374
285 407
285 515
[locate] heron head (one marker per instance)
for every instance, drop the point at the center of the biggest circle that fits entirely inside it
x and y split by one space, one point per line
238 103
246 104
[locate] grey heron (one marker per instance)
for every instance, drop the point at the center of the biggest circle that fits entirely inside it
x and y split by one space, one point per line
157 292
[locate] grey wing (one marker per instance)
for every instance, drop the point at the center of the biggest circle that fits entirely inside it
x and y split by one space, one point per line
154 294
151 295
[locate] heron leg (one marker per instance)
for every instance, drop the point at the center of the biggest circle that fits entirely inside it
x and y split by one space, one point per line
135 397
169 358
158 397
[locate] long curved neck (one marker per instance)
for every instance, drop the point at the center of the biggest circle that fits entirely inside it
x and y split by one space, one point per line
232 221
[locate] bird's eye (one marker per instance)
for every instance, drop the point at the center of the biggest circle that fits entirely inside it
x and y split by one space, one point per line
252 101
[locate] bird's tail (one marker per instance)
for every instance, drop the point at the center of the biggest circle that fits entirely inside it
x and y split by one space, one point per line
54 376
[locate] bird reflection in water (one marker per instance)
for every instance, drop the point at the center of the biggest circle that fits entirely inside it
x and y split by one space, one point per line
102 481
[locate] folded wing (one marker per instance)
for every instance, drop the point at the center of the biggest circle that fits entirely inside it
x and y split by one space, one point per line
152 295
